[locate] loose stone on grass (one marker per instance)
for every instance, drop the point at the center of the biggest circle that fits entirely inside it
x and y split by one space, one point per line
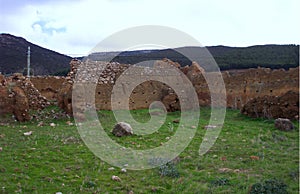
122 129
284 124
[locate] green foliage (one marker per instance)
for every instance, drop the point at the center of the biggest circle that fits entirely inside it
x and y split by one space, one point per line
62 72
169 169
271 186
220 182
270 56
55 159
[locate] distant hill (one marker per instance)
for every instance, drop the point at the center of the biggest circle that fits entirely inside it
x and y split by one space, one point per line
271 56
13 57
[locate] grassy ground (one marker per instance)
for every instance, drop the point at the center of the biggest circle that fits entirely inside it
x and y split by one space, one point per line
54 159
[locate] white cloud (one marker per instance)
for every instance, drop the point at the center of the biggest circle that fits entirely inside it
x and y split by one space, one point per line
75 27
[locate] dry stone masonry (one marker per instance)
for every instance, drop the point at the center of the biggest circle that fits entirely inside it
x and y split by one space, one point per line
242 86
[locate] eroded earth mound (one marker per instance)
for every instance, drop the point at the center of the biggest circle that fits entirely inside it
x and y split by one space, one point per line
284 106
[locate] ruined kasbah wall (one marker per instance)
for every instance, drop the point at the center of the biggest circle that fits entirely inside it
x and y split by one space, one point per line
246 85
48 86
241 86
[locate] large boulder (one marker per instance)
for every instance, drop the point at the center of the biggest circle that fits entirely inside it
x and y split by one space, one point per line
284 124
122 129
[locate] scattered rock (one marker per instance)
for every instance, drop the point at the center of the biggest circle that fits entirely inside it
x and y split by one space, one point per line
210 127
176 121
223 158
284 124
111 168
28 133
122 129
123 170
116 178
69 123
52 124
254 157
225 170
41 123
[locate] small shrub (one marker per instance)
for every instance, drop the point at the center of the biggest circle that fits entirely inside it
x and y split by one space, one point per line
89 184
219 182
169 169
269 186
294 174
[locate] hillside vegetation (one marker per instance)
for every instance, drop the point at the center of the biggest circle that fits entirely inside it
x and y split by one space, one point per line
271 56
13 57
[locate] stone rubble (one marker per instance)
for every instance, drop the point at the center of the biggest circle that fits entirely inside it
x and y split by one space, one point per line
284 124
18 96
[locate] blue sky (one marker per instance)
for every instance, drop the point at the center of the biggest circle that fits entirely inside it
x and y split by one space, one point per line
74 27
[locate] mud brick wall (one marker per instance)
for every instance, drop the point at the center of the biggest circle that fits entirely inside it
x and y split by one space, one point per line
241 86
245 85
48 86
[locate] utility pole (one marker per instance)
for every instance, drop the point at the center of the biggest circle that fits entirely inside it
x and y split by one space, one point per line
28 62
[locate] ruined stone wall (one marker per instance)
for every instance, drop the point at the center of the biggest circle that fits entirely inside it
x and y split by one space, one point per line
18 96
241 86
244 86
48 86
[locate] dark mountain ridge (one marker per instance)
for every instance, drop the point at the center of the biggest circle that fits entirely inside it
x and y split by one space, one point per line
13 57
271 56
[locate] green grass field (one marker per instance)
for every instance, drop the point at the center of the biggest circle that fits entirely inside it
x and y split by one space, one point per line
55 159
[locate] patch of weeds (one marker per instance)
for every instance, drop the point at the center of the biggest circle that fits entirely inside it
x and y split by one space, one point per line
170 127
294 174
219 182
157 161
89 184
269 186
169 169
278 138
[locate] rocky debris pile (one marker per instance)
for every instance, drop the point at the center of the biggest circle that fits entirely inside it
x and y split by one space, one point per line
165 63
18 96
95 71
284 124
122 129
35 99
111 72
49 115
284 106
171 101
